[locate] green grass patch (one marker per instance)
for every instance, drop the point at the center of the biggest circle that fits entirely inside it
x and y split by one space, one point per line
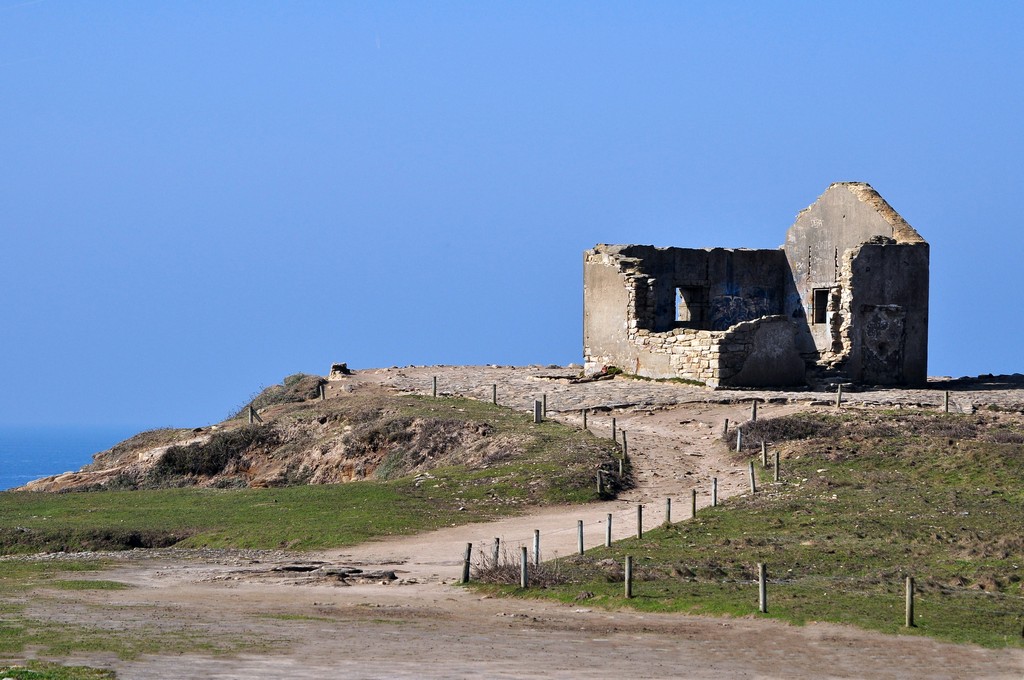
866 500
88 584
41 670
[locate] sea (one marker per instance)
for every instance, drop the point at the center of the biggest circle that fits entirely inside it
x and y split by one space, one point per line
28 453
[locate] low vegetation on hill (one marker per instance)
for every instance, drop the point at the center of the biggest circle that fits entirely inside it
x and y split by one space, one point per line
364 434
417 463
866 499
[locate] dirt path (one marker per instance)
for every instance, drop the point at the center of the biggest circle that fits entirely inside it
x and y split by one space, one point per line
286 624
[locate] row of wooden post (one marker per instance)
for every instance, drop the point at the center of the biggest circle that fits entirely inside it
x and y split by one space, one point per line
753 405
540 408
762 570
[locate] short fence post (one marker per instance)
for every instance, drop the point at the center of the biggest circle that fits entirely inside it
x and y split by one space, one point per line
622 468
536 547
739 439
435 385
764 455
600 484
909 622
778 472
725 429
608 532
714 492
839 395
251 412
945 401
584 419
629 576
538 413
693 502
762 589
544 405
524 568
614 438
625 447
753 411
465 563
323 392
497 550
753 483
639 521
494 394
579 535
668 511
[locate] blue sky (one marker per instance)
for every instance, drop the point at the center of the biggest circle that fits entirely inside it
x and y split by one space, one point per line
201 198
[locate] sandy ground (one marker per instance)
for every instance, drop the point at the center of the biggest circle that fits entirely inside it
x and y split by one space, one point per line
293 625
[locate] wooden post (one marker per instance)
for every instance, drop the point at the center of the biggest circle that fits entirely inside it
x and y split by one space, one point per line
323 392
945 402
613 431
536 547
629 576
839 395
725 430
497 550
579 535
739 439
251 413
714 492
584 419
764 455
778 472
600 484
435 386
668 511
544 406
753 411
639 521
524 568
465 563
494 394
909 621
538 412
622 468
753 482
608 532
625 447
762 589
693 503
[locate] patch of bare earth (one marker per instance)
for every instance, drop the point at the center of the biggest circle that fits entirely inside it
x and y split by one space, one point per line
307 617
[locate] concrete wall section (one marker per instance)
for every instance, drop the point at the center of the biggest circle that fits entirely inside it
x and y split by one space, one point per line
888 329
845 216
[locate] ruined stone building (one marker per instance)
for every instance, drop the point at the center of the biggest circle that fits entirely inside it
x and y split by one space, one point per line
846 298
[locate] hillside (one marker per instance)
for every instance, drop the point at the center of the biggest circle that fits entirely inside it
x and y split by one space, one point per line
866 499
362 431
870 492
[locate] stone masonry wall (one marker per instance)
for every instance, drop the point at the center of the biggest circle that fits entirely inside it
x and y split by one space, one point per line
707 356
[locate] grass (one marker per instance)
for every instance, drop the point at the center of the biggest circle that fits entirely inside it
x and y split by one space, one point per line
88 584
537 465
866 499
41 670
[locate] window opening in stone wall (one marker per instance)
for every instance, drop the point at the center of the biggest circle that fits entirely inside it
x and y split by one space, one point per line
819 302
691 306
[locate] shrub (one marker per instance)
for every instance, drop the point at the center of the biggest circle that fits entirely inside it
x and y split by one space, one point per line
295 388
211 457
